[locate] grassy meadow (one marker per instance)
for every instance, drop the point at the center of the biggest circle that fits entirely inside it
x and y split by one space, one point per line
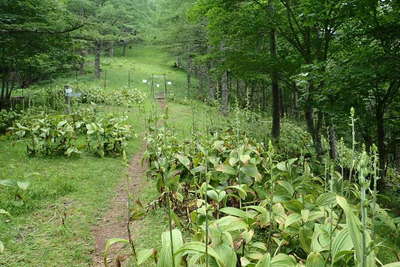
67 196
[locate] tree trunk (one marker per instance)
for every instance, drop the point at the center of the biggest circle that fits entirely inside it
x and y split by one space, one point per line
83 54
313 129
276 116
210 84
202 78
295 100
237 90
124 49
224 94
111 50
189 77
397 155
380 128
97 70
332 142
282 103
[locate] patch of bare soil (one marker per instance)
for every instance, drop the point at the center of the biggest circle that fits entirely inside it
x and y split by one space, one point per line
114 221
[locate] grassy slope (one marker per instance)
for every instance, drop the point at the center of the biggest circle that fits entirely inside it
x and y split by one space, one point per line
82 187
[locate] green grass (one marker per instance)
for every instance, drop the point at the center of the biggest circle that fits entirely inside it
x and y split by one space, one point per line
80 187
140 63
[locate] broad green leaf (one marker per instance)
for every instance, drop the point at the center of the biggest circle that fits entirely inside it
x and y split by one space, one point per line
230 224
394 264
255 255
227 254
265 261
281 166
259 245
287 186
221 195
283 260
305 235
292 218
144 254
247 235
353 225
320 239
252 171
244 261
294 205
212 194
264 217
326 199
341 242
235 212
199 247
291 161
198 169
240 189
226 169
305 214
232 161
315 260
184 160
165 259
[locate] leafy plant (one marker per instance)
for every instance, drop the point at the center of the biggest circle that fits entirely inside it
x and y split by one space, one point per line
260 209
19 189
49 135
108 136
7 118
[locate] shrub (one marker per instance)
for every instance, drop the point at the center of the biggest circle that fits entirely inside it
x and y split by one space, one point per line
108 136
49 135
7 119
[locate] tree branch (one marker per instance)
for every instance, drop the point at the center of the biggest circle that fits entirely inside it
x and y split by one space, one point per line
39 31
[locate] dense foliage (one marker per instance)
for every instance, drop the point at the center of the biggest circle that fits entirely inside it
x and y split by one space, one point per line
240 202
298 59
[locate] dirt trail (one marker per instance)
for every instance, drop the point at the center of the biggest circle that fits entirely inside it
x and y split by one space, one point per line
114 222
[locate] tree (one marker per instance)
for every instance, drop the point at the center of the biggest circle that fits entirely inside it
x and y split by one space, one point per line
363 72
35 43
106 22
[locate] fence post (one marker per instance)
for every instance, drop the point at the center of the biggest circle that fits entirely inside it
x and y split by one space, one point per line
152 85
165 86
105 79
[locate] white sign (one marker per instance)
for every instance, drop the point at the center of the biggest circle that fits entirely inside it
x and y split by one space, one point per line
68 91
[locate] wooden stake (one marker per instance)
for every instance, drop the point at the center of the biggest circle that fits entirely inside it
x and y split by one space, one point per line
165 86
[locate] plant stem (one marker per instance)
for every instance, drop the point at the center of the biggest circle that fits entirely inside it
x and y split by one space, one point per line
170 229
206 204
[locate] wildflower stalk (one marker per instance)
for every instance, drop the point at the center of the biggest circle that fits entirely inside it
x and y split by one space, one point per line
206 205
270 163
353 144
168 191
331 216
362 173
375 160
